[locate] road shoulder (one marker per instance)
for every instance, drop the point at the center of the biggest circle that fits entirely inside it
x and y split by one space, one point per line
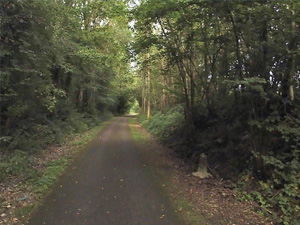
19 197
207 201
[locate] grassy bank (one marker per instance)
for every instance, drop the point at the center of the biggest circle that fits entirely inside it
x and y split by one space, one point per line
163 170
30 177
228 146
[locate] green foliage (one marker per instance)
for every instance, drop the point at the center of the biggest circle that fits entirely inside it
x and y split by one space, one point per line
234 66
64 66
53 170
249 85
137 136
284 165
163 125
57 71
38 172
25 211
18 164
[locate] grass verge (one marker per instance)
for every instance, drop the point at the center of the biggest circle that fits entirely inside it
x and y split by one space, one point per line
22 194
165 176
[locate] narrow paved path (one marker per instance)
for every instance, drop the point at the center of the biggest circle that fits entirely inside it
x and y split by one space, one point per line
107 185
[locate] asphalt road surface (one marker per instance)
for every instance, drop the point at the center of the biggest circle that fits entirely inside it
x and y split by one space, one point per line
109 184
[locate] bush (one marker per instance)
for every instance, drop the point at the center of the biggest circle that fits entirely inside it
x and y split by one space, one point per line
18 163
163 125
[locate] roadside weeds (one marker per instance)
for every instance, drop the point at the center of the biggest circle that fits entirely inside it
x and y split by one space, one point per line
205 202
19 196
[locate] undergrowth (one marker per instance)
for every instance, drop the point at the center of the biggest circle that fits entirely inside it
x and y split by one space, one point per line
37 172
41 132
234 147
180 203
18 157
163 125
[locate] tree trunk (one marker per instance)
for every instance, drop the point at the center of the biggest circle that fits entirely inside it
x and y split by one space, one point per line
80 96
144 94
237 44
287 83
149 87
163 100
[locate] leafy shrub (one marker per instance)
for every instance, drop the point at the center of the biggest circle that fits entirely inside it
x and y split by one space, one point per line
276 156
164 125
142 118
18 163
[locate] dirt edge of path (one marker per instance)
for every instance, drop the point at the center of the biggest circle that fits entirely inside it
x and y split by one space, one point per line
199 201
20 197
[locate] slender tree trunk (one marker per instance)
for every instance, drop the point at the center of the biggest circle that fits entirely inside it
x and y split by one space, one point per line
80 96
149 88
192 84
293 46
148 98
144 94
237 44
287 83
188 115
163 100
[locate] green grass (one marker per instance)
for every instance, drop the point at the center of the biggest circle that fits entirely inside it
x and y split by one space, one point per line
137 135
56 167
163 125
88 136
192 216
164 176
41 183
53 170
26 210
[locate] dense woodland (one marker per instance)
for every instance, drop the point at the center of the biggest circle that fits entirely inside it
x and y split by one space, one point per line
219 77
62 68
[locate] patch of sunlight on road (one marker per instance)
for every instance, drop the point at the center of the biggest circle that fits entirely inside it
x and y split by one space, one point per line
133 114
